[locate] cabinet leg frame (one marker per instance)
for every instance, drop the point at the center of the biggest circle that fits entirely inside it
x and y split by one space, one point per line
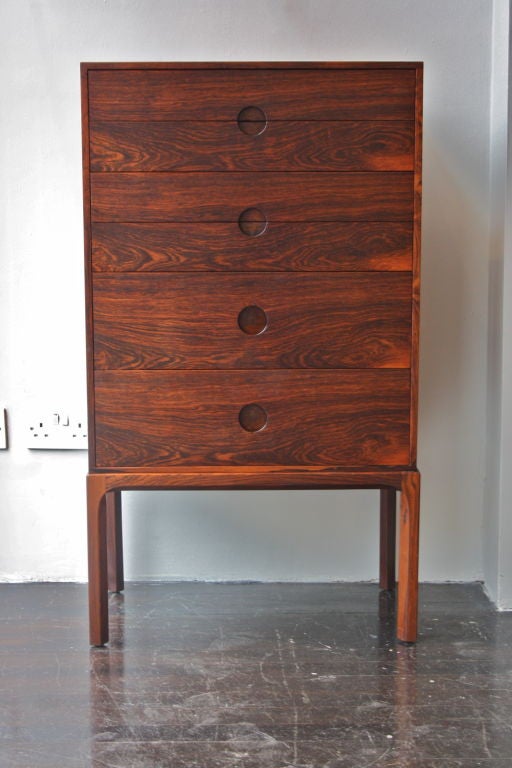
97 552
114 542
407 613
105 534
387 564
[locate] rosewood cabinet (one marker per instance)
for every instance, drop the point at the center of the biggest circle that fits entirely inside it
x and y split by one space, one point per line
252 244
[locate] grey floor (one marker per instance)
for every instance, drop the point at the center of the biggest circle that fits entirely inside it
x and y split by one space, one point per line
253 675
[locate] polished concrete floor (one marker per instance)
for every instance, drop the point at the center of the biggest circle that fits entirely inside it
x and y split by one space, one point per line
253 675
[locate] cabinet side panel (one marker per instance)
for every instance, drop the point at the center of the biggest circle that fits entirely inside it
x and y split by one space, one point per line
416 263
84 74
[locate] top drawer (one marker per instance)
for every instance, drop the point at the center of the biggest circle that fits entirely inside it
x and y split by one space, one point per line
220 94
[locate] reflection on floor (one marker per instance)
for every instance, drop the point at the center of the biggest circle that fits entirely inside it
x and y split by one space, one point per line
253 676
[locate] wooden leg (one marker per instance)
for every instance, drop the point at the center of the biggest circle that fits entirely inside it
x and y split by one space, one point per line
387 538
114 542
97 545
407 620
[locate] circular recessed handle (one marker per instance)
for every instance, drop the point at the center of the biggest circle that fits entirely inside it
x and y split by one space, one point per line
252 417
252 121
252 320
252 222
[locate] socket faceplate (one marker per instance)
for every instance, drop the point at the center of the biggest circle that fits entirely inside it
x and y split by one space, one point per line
57 431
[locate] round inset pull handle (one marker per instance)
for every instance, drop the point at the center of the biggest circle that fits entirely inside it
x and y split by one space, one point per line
252 320
252 222
252 417
252 121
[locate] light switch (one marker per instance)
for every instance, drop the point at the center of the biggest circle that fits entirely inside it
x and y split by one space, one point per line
3 429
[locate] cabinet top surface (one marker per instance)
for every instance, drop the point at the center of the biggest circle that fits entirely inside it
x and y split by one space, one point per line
255 65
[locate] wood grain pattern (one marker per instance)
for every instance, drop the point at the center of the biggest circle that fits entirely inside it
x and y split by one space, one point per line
387 549
156 94
172 66
115 565
223 196
175 418
333 167
383 145
313 321
97 560
84 103
407 609
416 262
221 246
250 478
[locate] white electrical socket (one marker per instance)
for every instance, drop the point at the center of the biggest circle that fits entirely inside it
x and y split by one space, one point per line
57 431
3 429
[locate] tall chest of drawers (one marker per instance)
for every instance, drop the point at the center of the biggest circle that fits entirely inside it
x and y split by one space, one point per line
252 285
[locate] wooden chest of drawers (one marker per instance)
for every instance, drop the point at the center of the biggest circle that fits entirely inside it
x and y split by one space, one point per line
252 257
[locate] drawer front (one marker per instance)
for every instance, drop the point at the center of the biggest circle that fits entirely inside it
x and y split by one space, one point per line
222 246
281 146
276 196
288 417
220 94
260 321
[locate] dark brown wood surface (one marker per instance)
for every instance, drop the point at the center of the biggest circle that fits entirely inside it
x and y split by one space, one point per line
300 196
312 321
407 609
324 158
418 141
282 146
302 94
253 477
387 548
320 66
86 193
97 560
172 418
114 534
222 246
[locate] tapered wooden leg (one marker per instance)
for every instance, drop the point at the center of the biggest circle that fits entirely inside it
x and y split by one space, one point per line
97 545
114 542
387 574
407 619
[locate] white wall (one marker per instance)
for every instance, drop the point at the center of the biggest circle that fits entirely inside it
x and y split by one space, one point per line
498 485
266 535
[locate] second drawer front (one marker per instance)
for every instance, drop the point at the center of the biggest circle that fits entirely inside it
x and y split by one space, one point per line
186 418
359 320
222 246
323 145
366 196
